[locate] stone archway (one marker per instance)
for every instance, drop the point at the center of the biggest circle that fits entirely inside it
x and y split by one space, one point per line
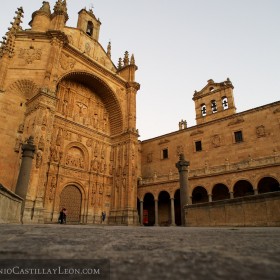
199 195
149 210
71 199
242 188
268 184
220 192
164 209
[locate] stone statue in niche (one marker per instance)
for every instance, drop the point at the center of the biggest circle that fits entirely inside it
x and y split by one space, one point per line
75 158
21 128
38 159
59 137
52 188
94 165
18 143
41 144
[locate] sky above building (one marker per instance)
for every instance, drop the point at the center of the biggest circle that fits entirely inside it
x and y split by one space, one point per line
180 44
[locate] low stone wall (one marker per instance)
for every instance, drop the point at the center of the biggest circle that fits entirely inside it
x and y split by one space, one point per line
10 206
255 210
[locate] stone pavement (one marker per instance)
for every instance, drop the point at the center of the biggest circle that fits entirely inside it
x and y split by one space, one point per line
152 252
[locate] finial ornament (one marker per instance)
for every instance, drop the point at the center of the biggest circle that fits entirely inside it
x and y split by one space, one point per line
109 49
120 63
126 59
8 42
132 60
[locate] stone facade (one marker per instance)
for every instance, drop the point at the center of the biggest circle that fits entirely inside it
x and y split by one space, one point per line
231 155
60 86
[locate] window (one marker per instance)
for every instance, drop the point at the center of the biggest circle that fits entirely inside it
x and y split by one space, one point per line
225 102
198 146
89 28
214 106
203 110
238 136
164 153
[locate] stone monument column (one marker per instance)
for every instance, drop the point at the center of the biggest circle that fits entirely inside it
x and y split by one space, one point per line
28 151
182 166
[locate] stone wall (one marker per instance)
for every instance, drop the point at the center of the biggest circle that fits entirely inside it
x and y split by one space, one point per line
259 210
10 206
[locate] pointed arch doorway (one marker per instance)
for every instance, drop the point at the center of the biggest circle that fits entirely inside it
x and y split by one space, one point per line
71 199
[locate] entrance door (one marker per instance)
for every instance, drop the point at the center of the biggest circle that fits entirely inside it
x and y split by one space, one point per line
71 199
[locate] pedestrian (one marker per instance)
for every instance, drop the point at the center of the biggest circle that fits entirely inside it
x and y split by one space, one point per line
62 216
103 216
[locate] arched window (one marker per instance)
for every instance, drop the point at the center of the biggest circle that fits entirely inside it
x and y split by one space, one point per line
225 102
214 106
203 110
89 28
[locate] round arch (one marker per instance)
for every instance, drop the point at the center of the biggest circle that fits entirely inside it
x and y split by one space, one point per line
199 195
220 192
107 95
149 209
268 184
164 209
71 199
82 148
242 188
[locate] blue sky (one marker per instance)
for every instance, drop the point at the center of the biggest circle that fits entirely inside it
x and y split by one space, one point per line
179 45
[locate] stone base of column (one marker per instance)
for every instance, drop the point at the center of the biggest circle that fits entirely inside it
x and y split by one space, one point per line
127 217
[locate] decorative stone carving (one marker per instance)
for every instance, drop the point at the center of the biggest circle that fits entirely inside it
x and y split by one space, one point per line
75 158
41 144
52 188
66 62
21 128
18 143
30 54
216 141
38 159
260 131
24 88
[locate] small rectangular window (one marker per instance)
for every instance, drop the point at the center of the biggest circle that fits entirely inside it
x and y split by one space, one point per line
198 146
164 154
238 136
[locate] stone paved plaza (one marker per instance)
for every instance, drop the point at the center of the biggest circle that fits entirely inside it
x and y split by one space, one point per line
152 252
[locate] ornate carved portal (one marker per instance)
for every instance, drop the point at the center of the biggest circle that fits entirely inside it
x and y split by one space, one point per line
71 199
82 105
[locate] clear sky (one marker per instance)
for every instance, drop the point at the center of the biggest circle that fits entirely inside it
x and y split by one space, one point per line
179 45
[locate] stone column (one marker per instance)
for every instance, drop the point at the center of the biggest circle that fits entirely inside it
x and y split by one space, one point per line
231 195
141 212
256 191
210 197
156 212
28 151
182 166
172 212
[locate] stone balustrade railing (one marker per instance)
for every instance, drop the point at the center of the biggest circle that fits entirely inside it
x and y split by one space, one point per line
212 170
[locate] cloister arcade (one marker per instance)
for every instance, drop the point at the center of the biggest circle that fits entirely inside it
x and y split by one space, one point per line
163 208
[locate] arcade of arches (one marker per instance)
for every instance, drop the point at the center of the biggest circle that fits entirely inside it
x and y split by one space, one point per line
164 210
